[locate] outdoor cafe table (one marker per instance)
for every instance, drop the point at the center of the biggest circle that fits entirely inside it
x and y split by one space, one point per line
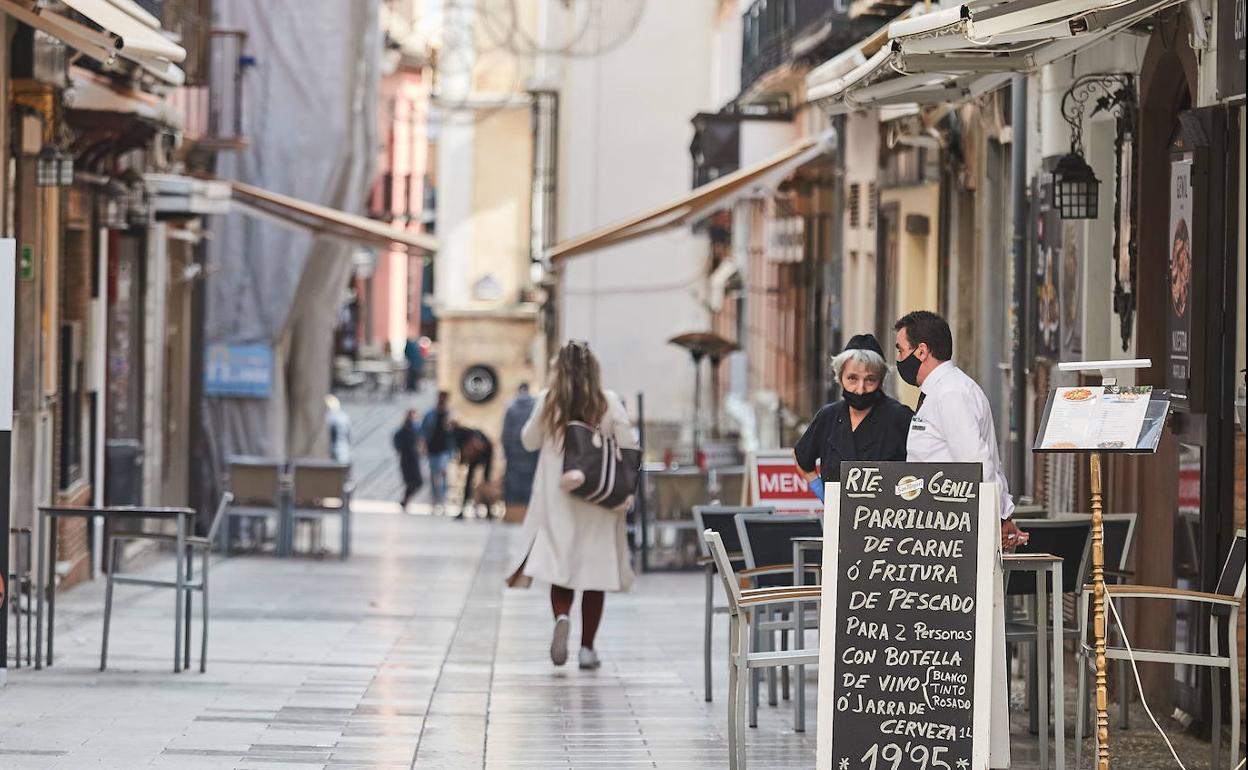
1040 563
47 563
801 546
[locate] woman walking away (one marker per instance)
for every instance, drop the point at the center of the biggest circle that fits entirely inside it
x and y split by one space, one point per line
407 444
569 542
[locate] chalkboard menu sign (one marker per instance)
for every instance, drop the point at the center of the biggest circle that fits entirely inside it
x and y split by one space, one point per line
905 649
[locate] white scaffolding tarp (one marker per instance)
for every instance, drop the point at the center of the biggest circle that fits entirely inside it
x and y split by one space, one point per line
310 111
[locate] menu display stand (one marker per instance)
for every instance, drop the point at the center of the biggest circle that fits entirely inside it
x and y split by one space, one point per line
1107 419
906 636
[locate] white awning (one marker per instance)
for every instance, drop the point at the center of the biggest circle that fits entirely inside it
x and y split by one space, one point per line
701 201
1013 36
136 31
961 52
324 220
128 31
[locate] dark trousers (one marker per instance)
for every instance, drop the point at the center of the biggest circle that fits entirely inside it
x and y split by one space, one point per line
486 464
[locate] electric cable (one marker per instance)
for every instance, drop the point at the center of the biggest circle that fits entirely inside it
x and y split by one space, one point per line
1135 669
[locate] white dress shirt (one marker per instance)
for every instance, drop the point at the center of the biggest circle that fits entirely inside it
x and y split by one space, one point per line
953 424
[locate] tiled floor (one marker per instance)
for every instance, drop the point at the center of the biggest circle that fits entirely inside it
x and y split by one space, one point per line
411 654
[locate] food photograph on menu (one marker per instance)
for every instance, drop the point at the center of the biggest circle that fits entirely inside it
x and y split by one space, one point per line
1096 418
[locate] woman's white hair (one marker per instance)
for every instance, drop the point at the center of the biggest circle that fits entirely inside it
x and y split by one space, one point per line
873 361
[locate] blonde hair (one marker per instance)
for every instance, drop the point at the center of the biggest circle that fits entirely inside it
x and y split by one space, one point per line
575 391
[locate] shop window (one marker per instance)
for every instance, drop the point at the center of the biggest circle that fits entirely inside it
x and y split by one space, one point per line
71 424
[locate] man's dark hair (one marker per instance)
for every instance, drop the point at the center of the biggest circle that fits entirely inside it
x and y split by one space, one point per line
523 388
924 326
443 397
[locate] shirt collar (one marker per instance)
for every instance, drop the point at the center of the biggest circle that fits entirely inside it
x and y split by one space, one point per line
938 374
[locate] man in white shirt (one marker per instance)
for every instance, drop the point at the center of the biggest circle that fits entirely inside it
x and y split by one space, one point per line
953 423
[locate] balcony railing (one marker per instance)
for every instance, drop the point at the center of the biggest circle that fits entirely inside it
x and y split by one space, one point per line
771 28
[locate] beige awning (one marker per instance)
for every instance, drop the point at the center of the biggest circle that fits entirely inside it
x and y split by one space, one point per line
700 201
324 220
128 32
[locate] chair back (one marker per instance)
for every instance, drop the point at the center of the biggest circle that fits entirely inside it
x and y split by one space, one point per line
722 519
1119 529
767 541
222 506
316 481
723 566
255 480
1231 581
1068 538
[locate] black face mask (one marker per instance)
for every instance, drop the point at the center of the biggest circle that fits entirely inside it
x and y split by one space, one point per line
863 401
908 369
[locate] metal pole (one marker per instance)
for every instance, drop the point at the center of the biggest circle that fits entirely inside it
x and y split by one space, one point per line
1098 615
1018 180
640 503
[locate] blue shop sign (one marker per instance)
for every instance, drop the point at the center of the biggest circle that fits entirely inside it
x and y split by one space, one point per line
241 371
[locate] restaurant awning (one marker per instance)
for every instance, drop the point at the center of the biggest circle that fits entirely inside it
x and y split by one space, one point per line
126 30
324 220
700 201
963 51
1015 36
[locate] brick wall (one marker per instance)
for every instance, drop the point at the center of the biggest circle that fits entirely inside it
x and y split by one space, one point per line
75 298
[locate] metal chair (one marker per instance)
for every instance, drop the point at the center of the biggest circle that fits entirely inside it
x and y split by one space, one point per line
1223 603
321 488
742 658
1070 539
767 544
203 545
21 583
721 519
259 488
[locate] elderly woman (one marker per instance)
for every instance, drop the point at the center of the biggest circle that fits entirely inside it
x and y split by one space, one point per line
866 424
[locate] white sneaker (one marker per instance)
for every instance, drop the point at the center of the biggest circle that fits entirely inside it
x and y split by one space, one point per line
589 659
559 641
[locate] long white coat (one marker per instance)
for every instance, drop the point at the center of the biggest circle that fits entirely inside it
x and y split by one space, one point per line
565 540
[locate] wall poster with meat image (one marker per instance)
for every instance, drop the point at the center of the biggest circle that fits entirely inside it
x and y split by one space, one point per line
1179 298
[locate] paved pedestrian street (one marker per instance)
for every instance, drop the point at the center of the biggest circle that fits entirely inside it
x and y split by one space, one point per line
412 654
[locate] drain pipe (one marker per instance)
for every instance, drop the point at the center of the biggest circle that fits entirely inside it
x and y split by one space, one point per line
1018 379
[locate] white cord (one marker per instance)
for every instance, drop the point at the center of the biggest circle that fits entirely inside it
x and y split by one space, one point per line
1140 685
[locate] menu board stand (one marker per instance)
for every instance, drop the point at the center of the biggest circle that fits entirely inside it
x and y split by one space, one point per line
1149 432
906 626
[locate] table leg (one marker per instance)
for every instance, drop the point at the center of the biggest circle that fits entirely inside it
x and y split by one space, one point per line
799 640
180 554
41 569
51 588
1042 665
1059 671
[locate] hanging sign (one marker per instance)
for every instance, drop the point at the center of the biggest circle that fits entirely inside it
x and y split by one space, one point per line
776 481
8 304
239 371
906 654
1179 297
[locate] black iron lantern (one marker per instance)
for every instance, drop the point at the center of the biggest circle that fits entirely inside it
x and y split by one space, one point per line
1076 190
48 167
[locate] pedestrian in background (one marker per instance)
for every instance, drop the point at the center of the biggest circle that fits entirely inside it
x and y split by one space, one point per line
866 424
567 541
339 424
439 447
407 444
415 365
476 451
521 463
